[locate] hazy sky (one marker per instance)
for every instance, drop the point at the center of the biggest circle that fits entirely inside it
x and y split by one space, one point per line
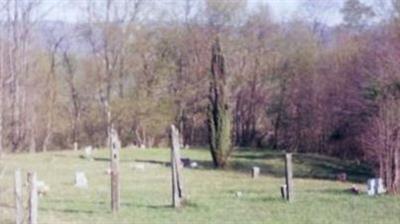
68 10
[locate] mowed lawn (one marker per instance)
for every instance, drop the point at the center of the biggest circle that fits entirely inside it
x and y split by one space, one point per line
146 194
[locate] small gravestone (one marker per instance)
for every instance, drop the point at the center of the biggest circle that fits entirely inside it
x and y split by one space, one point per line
239 194
142 146
138 166
131 146
107 171
75 146
283 192
194 165
81 180
42 187
380 187
375 186
354 189
88 152
255 172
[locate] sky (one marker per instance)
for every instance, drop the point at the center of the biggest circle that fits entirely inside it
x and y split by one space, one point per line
68 10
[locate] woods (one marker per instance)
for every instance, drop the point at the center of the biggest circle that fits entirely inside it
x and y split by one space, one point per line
299 85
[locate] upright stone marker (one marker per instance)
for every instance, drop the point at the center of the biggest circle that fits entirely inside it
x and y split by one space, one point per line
81 180
115 146
19 207
375 186
255 172
33 199
289 177
88 152
177 188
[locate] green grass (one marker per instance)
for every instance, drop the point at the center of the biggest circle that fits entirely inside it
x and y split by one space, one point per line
146 195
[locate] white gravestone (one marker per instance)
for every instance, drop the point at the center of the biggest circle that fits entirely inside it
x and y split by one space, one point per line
42 187
80 180
375 186
138 166
193 165
88 152
255 172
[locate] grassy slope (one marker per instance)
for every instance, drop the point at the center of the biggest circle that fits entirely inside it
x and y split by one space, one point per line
146 194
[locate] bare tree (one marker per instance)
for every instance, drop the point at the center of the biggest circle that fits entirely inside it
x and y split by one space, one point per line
112 50
51 89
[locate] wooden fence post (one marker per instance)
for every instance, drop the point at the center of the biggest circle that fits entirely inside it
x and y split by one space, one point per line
115 146
289 177
19 207
176 174
33 199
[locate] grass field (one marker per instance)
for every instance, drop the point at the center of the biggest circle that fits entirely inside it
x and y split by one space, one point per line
146 194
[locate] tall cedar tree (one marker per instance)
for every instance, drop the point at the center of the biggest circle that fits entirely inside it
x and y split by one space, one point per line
219 115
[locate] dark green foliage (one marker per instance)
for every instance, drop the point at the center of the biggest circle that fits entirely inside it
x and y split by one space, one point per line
219 115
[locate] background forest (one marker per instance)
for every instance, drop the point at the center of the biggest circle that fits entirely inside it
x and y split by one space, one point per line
299 84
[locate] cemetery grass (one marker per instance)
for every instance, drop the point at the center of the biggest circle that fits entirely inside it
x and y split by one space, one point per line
146 194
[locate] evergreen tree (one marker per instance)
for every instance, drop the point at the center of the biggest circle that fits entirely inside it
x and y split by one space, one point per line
219 117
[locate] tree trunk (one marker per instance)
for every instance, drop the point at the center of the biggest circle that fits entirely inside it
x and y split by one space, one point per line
47 138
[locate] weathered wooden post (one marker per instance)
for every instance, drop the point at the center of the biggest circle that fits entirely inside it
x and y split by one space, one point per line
19 208
255 172
115 146
289 177
177 188
33 198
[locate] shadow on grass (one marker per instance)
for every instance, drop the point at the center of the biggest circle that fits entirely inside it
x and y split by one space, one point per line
266 199
304 165
327 168
272 163
99 159
336 192
106 159
185 203
156 162
68 210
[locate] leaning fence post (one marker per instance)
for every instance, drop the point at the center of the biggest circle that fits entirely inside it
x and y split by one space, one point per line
176 174
19 208
115 146
289 177
33 199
